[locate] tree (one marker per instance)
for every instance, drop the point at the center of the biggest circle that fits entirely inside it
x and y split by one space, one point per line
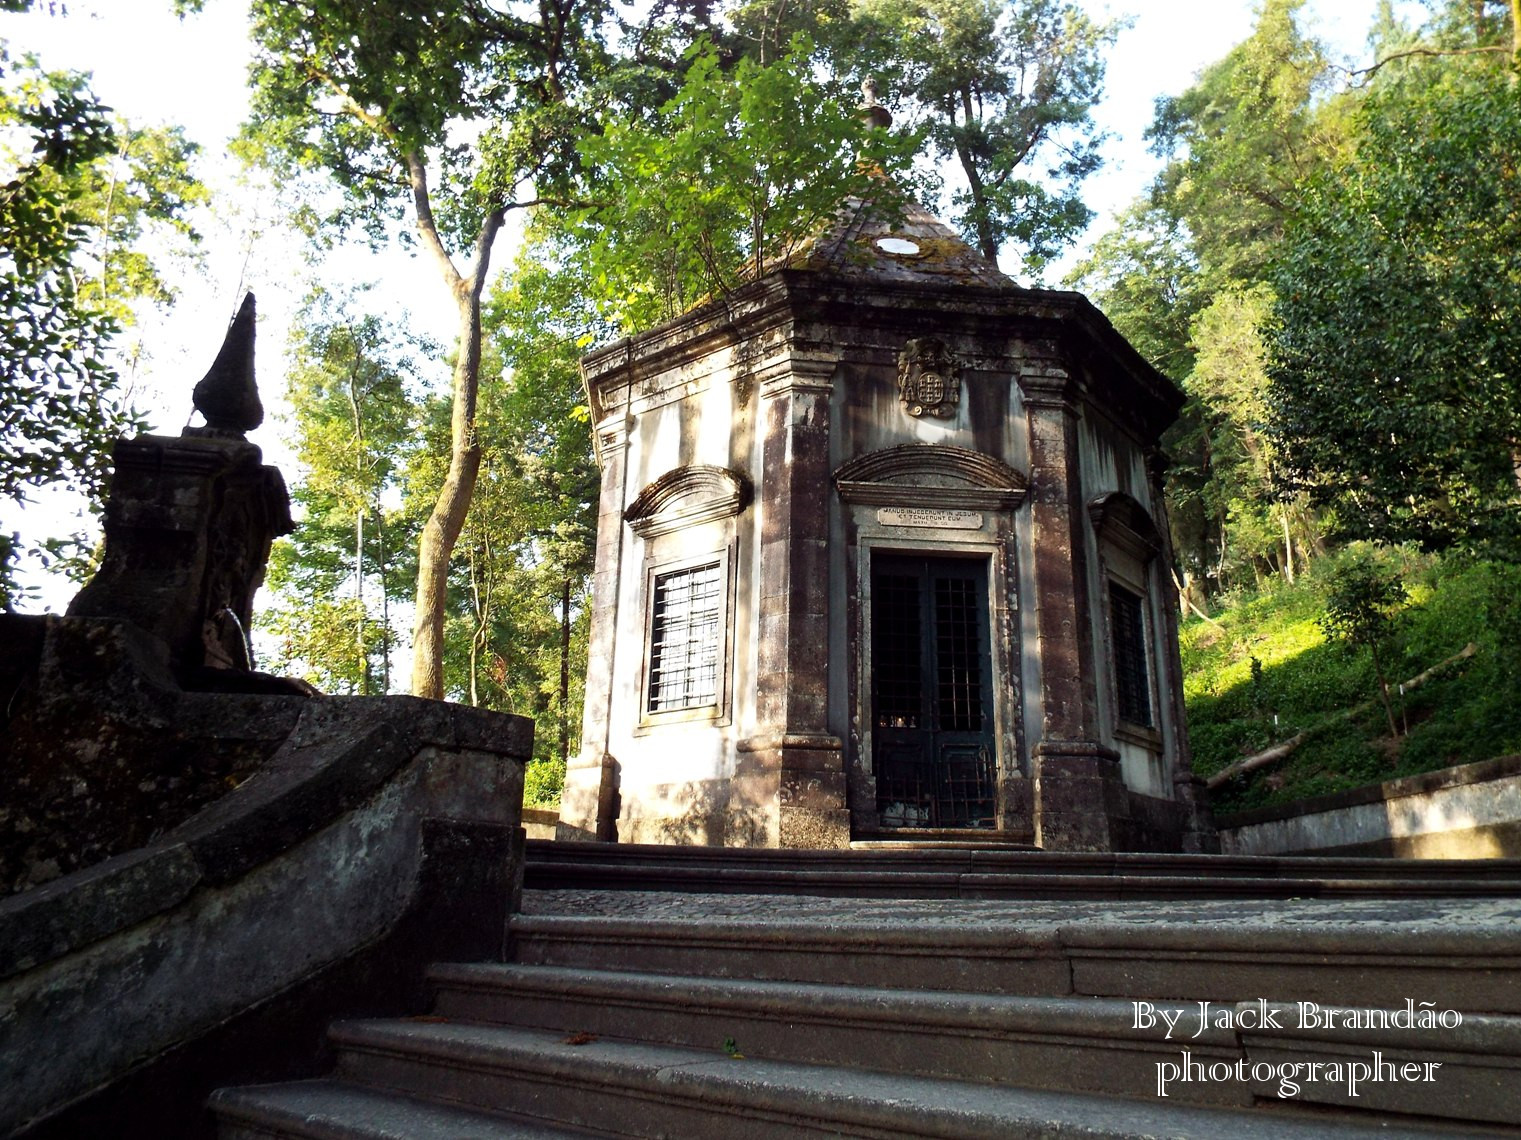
146 187
1411 428
73 218
354 421
542 322
737 172
1005 89
57 419
1229 379
1362 609
1186 277
458 112
1243 138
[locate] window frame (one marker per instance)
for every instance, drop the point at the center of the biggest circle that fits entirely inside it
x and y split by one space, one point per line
1143 653
719 711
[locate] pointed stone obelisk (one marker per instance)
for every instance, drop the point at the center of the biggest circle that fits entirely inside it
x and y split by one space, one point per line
227 395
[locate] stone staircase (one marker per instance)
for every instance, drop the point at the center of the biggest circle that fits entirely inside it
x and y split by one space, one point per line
970 992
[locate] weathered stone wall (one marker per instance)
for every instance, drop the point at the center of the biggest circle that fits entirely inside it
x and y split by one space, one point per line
1469 812
102 751
383 830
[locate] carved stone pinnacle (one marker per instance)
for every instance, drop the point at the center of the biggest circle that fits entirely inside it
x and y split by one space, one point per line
227 396
872 111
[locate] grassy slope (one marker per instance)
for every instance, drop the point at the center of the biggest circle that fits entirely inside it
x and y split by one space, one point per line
1470 714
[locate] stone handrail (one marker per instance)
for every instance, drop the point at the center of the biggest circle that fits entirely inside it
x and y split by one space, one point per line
387 823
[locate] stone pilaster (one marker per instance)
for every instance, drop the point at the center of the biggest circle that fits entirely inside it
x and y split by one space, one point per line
1080 798
793 755
1188 789
589 802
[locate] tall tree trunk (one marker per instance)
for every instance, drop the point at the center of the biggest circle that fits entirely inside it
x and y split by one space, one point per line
476 638
1288 545
385 600
439 533
364 658
564 669
360 467
436 544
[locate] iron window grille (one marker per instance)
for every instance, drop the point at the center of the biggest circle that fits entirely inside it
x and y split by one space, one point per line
1128 627
685 639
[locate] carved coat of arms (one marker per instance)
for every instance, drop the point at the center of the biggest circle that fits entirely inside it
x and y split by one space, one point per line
929 379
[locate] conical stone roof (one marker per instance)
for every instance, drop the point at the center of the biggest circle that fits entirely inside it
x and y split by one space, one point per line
914 248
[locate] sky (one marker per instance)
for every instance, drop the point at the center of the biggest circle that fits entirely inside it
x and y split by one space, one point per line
153 68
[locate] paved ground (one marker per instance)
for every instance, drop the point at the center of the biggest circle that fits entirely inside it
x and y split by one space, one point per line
1437 916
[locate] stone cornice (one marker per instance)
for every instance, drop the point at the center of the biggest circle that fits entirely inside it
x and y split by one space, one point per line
1104 370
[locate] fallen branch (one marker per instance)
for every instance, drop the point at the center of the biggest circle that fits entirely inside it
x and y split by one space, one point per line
1285 747
1189 602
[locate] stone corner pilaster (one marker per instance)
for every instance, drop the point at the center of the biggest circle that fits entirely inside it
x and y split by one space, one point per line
1080 799
589 802
803 776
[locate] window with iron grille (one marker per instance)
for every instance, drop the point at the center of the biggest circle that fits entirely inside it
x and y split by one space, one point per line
685 636
1128 628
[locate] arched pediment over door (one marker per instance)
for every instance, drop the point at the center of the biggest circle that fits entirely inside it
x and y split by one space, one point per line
931 475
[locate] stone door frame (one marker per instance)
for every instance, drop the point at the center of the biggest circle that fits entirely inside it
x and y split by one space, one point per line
993 544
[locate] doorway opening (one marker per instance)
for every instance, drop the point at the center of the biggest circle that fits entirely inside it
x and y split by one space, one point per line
931 693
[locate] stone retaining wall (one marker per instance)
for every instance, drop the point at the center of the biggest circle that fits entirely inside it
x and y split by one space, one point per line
1468 812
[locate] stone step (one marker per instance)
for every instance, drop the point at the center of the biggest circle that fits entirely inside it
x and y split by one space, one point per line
330 1110
1470 1071
1081 1044
1458 954
897 838
996 871
645 1090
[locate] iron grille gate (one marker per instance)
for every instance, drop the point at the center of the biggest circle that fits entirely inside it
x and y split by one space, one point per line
931 685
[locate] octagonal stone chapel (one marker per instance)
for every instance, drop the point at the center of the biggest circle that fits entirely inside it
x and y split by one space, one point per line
882 555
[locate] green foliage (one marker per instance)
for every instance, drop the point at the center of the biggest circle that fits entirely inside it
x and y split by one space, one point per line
1005 89
517 608
543 781
531 536
1363 603
354 422
57 416
456 112
84 193
1185 278
1362 609
1147 279
1411 428
360 90
1466 714
1242 138
737 172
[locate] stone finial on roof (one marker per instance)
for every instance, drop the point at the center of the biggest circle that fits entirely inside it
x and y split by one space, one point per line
872 111
227 396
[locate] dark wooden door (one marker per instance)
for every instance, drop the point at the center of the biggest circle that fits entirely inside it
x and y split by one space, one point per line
931 692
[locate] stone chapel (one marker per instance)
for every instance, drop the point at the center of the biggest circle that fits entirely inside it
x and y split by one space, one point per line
882 556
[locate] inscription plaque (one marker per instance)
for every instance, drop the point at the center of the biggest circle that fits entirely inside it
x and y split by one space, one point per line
920 516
